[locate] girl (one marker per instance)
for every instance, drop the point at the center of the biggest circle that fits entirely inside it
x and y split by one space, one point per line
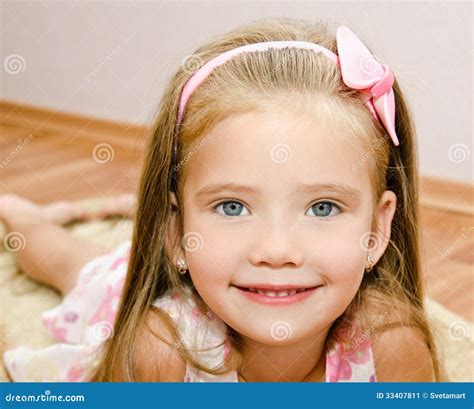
276 235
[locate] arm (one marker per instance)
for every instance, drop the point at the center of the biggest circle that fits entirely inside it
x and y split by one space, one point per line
402 355
157 361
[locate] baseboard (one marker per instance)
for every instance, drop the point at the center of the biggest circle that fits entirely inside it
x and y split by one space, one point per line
44 120
447 195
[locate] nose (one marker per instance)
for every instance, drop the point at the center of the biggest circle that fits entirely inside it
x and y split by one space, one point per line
275 247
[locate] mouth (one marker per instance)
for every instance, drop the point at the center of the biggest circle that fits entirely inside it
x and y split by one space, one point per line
277 294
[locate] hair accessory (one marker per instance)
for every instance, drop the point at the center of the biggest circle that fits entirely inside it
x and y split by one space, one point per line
360 70
182 266
371 263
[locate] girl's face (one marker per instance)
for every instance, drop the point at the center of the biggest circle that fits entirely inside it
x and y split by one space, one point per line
275 199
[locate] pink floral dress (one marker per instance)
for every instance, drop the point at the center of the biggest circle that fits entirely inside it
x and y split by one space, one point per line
85 318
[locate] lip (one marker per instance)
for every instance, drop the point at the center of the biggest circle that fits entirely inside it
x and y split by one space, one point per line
286 300
274 287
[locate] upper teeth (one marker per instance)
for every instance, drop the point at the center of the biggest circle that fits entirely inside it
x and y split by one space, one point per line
282 293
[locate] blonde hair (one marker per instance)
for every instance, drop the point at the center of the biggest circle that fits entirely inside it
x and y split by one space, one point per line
265 81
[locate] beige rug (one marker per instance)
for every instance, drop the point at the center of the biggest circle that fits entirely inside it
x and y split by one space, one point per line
23 300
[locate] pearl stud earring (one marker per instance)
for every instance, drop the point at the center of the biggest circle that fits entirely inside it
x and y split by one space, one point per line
371 263
182 266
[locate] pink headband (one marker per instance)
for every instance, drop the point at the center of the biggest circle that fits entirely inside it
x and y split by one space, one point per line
360 70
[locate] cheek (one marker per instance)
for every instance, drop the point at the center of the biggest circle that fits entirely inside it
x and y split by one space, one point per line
220 249
341 263
345 273
208 276
212 264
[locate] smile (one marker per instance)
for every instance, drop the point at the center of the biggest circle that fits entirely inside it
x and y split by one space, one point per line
277 296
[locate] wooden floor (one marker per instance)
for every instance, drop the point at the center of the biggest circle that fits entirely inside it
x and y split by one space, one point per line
48 156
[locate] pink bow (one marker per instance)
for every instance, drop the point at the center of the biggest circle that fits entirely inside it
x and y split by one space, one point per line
360 70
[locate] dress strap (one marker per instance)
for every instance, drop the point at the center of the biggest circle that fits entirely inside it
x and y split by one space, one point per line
203 334
349 357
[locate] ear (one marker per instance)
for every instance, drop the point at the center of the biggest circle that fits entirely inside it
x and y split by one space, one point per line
173 239
383 223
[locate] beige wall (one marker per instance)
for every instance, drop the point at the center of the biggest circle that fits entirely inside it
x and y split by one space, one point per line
110 59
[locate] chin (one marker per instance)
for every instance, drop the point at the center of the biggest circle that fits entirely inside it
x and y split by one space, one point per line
274 332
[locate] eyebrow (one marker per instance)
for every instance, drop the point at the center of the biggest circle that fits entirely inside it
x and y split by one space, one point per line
337 188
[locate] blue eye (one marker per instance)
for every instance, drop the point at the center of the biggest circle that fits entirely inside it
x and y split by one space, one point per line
324 209
231 208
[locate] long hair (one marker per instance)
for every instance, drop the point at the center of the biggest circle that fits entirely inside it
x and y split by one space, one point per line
297 80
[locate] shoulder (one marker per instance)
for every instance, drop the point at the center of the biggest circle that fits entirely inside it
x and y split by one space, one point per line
401 354
400 350
156 358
